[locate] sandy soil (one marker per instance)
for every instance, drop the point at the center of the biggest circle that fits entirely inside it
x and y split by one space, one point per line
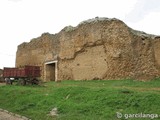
2 84
6 116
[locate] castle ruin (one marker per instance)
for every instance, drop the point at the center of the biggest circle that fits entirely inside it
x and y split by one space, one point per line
98 48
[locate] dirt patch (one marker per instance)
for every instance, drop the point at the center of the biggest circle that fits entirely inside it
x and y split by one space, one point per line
2 84
141 89
7 116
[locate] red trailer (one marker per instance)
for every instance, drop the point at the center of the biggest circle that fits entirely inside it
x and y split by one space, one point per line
25 74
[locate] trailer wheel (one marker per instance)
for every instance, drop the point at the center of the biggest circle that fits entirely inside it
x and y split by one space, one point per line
34 81
22 82
8 81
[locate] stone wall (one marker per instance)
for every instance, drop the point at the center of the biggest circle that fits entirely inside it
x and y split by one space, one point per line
1 74
107 49
38 51
1 71
156 44
99 48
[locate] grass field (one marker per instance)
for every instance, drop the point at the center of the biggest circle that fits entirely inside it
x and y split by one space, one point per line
84 100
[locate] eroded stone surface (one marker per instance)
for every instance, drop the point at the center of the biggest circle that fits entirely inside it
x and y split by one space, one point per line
99 48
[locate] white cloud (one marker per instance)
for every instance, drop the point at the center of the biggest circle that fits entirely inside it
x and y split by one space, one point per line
141 9
15 0
149 24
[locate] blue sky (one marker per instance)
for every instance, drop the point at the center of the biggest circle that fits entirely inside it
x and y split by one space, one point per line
22 20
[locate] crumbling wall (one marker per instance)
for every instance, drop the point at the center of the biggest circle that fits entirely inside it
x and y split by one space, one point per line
1 72
106 49
156 44
144 56
99 48
1 76
38 51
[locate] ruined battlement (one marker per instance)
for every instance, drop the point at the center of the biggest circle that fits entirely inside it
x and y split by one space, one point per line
99 48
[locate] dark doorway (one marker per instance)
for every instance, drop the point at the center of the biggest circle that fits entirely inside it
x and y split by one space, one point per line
50 71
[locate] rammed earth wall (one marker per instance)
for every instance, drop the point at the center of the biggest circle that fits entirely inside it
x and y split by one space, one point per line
99 48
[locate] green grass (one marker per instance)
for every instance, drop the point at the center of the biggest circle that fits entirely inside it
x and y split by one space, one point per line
83 100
